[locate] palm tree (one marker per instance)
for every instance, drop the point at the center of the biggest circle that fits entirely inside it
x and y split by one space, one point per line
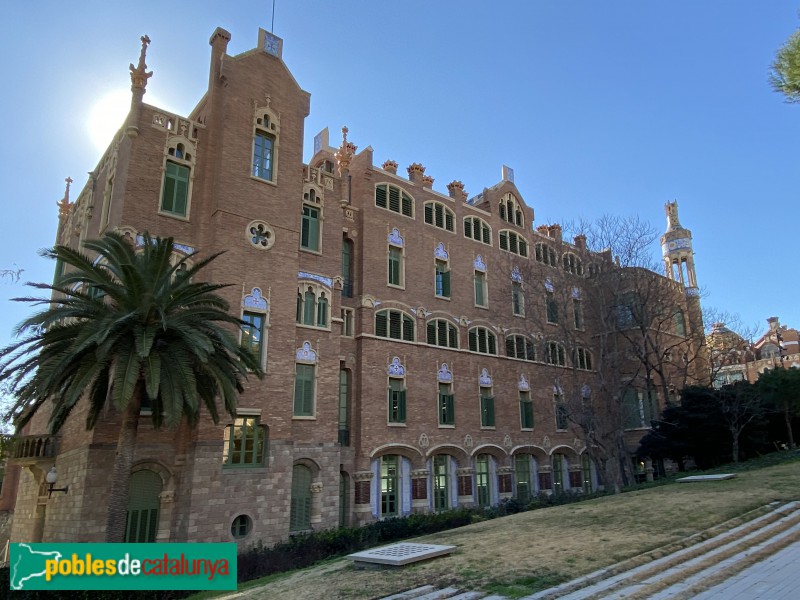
122 327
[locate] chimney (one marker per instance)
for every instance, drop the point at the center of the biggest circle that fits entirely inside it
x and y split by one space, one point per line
219 46
580 241
774 323
416 172
555 232
390 166
456 190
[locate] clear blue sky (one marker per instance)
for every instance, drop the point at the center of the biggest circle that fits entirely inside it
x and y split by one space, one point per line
600 107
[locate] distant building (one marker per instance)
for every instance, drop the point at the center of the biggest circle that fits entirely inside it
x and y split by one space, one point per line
415 355
735 359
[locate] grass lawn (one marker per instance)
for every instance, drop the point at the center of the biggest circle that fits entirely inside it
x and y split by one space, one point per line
526 552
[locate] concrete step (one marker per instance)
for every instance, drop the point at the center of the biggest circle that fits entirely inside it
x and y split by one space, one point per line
631 574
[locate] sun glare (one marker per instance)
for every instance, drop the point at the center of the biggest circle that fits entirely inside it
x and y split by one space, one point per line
107 116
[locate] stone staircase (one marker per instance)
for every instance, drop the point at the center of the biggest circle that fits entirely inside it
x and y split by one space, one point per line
676 572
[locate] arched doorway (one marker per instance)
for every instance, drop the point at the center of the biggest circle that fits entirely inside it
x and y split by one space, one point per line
143 505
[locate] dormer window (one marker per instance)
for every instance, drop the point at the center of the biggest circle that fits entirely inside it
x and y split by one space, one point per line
510 210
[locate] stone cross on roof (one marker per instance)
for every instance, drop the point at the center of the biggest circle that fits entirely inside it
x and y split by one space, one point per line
139 73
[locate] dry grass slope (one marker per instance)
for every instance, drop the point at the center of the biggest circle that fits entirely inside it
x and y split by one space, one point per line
528 551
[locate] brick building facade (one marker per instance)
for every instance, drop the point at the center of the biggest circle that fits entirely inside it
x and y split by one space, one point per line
413 342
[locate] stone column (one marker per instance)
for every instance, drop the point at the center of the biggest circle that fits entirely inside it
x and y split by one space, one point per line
316 503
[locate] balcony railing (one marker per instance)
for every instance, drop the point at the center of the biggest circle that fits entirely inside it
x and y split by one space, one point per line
32 447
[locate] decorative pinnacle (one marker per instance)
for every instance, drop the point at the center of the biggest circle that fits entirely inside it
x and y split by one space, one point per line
345 152
139 73
63 204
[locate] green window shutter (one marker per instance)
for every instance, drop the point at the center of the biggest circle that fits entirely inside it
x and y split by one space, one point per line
473 340
381 324
168 194
439 213
395 325
309 308
441 332
300 511
143 505
452 337
448 220
408 329
504 240
394 199
492 343
380 196
322 312
480 296
510 347
526 413
431 332
299 308
304 391
530 350
481 340
446 284
394 266
309 237
407 206
487 411
401 400
429 213
468 228
446 409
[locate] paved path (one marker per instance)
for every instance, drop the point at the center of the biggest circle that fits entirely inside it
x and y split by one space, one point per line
774 578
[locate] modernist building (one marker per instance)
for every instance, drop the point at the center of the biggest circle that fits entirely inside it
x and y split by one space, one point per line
413 344
736 359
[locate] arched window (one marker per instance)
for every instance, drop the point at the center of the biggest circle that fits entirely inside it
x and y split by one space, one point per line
310 227
347 267
313 306
582 359
394 324
514 243
477 229
572 264
438 215
176 189
441 332
519 346
545 254
143 507
555 354
510 210
482 340
394 199
300 515
266 126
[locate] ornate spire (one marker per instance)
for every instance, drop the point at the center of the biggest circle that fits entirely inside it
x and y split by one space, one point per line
63 204
345 152
139 73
